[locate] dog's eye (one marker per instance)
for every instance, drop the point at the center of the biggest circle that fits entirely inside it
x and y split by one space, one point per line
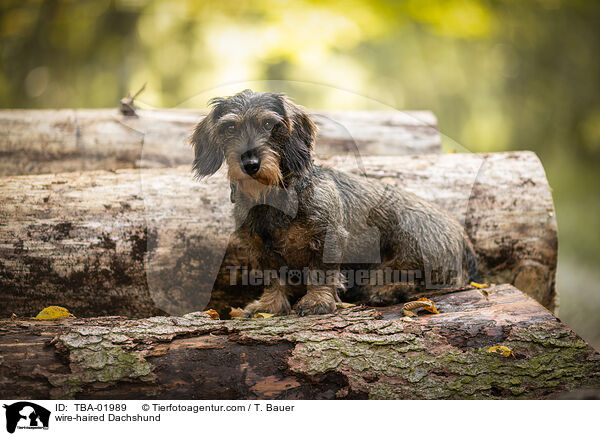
268 125
230 129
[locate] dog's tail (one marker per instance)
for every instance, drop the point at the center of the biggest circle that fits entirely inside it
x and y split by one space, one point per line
471 263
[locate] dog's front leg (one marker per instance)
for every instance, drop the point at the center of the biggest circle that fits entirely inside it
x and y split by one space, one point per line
318 300
273 300
321 296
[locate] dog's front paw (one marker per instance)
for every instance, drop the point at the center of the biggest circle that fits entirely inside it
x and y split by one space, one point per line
259 306
316 303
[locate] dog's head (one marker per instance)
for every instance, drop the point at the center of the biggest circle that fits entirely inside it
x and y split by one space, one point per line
263 137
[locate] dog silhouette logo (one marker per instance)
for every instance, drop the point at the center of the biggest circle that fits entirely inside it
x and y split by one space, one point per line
26 415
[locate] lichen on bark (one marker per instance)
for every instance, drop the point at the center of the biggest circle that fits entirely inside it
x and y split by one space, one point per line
377 353
354 353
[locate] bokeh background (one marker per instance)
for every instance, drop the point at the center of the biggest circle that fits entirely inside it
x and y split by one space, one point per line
499 75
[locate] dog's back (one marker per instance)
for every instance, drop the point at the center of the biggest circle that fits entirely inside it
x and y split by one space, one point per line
408 232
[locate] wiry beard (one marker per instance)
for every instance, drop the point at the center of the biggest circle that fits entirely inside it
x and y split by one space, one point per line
256 187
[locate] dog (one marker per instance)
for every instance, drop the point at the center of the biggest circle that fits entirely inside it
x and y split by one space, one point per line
291 213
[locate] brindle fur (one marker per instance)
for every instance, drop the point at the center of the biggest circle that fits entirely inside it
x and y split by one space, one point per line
296 214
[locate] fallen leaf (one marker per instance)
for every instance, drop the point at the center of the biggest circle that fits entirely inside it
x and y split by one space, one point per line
479 285
53 312
263 315
421 303
212 313
13 316
236 312
431 308
409 313
345 305
485 293
500 349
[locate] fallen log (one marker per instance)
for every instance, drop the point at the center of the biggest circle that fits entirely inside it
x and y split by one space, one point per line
355 353
45 141
140 242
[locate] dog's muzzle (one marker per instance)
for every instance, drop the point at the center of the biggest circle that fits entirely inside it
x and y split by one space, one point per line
250 162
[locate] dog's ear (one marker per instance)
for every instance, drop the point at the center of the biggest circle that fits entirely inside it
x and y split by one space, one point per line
300 137
300 125
208 155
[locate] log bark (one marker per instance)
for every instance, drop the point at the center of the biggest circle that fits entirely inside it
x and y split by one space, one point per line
355 353
140 242
45 141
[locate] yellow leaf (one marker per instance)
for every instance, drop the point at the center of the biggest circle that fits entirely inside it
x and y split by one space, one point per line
431 307
212 313
409 313
345 305
500 349
236 312
53 312
263 315
479 285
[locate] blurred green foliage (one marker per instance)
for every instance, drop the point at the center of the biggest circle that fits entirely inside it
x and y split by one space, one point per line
500 75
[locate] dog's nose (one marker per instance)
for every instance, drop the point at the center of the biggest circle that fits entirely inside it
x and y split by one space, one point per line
251 166
250 162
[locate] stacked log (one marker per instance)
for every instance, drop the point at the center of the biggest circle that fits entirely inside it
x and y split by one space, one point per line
50 141
139 242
